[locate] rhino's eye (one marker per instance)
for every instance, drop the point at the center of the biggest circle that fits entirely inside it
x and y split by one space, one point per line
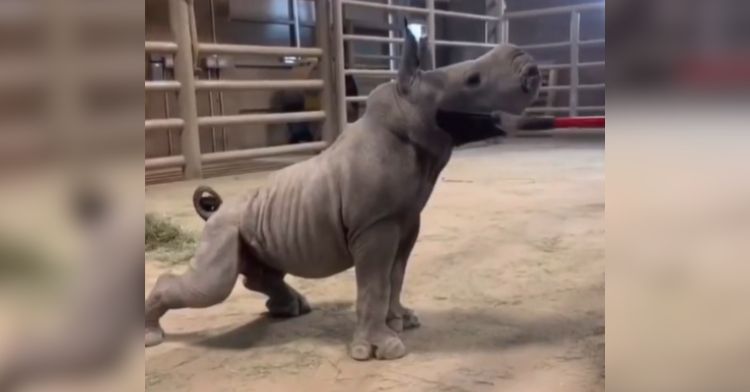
474 80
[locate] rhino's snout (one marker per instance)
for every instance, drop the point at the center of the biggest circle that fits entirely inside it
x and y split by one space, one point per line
528 71
531 78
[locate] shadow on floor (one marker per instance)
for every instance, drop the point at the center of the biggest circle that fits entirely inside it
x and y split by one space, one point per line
441 331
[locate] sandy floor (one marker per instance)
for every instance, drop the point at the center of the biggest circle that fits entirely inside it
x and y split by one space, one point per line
507 278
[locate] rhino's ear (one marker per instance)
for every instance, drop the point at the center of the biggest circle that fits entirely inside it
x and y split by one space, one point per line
409 60
425 55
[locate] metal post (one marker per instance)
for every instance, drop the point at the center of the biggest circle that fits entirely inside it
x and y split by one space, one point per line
431 29
338 33
295 9
179 15
391 46
575 38
329 129
211 111
167 114
502 25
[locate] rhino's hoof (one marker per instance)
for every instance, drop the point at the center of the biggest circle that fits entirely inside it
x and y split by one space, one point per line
154 336
396 324
361 351
407 320
411 320
296 307
390 347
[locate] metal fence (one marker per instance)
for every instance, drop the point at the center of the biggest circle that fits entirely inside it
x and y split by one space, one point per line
186 49
331 38
497 22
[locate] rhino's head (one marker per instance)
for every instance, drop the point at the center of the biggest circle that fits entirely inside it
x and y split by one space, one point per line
505 79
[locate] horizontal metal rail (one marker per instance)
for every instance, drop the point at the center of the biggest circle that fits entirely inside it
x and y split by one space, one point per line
580 65
371 38
596 86
358 98
165 162
312 84
161 46
550 45
258 49
387 7
592 42
465 44
553 10
563 109
370 72
466 15
162 85
563 44
580 87
263 152
164 123
262 118
217 157
376 56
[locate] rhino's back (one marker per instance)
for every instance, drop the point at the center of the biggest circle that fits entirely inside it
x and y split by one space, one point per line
294 224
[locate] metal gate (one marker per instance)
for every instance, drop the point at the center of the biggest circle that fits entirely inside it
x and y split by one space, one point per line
186 50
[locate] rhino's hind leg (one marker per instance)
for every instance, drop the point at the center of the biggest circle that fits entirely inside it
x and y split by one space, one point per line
399 316
374 252
209 280
283 300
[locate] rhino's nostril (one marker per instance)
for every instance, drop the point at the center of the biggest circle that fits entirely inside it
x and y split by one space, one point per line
530 79
532 70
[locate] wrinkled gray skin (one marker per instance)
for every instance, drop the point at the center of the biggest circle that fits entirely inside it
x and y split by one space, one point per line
357 204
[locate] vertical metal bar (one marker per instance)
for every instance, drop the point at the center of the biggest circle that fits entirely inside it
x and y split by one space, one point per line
213 20
211 93
170 143
338 39
431 29
502 24
179 15
295 10
391 46
211 111
329 129
575 38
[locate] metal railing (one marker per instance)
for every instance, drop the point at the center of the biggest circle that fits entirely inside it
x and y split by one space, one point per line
499 19
575 43
185 48
331 40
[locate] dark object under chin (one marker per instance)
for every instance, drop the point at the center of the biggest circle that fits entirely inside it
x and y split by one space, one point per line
465 127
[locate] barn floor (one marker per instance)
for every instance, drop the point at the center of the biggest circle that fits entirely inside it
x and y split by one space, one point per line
507 278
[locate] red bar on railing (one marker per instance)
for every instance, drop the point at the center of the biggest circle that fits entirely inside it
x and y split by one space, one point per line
579 122
541 123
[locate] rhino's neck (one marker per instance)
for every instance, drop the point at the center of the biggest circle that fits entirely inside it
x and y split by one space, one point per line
412 123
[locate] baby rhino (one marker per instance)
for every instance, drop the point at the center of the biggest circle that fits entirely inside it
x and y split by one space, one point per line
357 204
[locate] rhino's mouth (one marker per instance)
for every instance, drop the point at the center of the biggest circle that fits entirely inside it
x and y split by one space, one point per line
467 127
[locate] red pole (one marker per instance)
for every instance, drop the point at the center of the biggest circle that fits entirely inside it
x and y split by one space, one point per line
541 123
579 122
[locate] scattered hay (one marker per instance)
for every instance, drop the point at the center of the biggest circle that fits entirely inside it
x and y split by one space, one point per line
22 261
167 242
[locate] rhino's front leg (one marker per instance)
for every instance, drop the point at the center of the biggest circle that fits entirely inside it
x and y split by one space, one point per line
399 316
374 251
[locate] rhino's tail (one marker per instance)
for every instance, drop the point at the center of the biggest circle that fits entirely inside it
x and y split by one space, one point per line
206 201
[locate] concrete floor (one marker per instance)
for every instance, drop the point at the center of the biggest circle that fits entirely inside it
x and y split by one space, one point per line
507 278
